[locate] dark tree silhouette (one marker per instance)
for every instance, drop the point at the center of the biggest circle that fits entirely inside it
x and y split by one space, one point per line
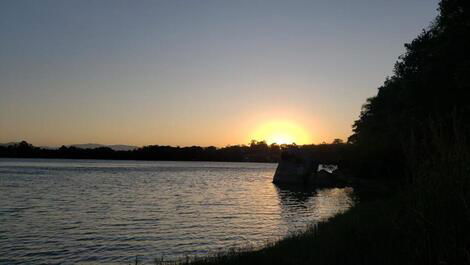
257 151
430 83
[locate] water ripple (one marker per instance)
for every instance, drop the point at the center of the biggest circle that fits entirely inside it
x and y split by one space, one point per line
88 211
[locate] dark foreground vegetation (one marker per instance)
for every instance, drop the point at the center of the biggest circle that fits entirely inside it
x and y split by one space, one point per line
416 129
428 222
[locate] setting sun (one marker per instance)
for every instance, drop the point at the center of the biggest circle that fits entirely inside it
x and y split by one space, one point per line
281 132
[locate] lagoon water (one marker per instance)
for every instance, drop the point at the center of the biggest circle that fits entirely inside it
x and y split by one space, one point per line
92 211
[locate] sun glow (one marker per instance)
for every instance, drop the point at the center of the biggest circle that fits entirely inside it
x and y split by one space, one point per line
281 132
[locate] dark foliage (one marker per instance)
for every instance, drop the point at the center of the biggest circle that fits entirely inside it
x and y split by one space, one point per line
255 152
431 82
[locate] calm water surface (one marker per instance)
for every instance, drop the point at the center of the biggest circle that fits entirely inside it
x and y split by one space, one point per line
89 211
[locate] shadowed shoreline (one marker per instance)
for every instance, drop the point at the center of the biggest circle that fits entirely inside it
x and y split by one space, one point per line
257 151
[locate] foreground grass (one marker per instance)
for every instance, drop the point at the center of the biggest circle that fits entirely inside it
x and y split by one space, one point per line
380 232
428 222
362 235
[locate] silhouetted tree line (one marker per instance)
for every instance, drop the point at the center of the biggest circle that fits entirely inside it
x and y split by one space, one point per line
427 95
256 151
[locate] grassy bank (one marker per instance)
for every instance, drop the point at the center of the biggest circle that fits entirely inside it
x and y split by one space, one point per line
380 232
359 236
367 234
427 222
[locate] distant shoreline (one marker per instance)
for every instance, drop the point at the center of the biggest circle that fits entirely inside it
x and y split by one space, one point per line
255 152
136 160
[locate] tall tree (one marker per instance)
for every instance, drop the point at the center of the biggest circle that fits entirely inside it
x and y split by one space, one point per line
431 82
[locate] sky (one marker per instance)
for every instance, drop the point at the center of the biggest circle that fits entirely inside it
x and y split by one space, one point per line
196 72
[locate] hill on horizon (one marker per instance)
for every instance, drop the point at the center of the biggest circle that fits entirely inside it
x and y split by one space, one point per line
115 147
